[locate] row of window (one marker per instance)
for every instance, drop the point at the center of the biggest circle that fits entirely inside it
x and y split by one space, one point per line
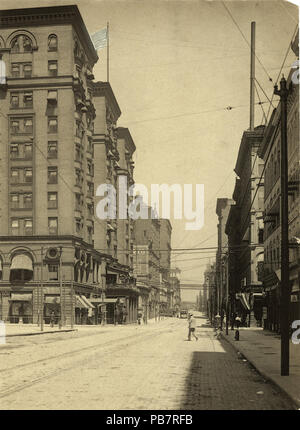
24 226
25 125
24 69
23 99
22 43
21 151
24 200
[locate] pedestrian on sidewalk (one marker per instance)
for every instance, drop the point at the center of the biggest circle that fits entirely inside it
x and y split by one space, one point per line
192 327
52 319
238 321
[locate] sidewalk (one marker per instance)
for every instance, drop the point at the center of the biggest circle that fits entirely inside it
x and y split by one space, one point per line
33 329
262 349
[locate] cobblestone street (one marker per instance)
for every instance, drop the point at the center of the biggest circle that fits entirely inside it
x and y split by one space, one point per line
131 367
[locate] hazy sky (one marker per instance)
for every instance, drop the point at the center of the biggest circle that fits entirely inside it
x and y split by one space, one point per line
174 68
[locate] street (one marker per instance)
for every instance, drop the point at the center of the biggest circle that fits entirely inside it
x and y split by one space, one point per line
131 367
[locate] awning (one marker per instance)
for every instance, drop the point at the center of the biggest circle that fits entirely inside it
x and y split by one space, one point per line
80 303
89 304
105 301
52 96
52 299
21 261
21 297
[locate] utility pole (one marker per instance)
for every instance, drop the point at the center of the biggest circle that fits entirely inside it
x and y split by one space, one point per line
252 76
60 289
285 282
227 294
42 290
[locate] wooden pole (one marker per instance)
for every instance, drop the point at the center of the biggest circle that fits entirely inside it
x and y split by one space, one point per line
252 76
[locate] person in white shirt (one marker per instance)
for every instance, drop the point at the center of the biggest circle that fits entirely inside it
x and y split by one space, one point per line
192 327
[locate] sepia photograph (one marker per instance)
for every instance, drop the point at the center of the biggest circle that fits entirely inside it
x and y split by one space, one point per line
149 208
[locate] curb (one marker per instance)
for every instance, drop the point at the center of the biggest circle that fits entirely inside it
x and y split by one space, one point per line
268 378
40 332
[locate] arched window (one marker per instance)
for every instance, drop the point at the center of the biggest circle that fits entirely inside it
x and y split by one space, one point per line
20 44
52 42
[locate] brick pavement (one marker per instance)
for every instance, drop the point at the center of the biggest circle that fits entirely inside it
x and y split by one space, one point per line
150 367
262 349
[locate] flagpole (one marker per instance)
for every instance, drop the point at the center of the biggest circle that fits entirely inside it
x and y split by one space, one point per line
107 52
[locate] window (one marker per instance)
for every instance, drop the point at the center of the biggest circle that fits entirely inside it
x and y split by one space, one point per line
15 227
53 272
28 175
52 175
15 70
14 100
14 151
27 45
52 149
14 127
90 233
52 68
14 199
52 97
52 125
77 153
28 128
90 169
28 201
52 42
15 177
77 201
28 100
52 200
27 70
16 45
28 151
28 227
52 226
260 235
90 189
77 177
78 226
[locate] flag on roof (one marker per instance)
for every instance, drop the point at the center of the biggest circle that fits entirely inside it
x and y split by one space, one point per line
99 39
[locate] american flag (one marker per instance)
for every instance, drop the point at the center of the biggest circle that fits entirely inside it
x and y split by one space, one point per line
99 39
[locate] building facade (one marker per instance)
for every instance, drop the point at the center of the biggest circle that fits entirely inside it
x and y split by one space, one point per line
270 152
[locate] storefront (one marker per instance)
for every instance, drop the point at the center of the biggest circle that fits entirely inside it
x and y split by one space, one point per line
20 309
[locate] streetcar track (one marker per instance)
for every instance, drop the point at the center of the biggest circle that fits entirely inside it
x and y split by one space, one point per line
120 343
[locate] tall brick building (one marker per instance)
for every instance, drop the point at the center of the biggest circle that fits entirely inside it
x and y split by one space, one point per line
55 254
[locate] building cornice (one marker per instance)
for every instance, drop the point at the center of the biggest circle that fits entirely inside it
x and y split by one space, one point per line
103 89
124 133
56 15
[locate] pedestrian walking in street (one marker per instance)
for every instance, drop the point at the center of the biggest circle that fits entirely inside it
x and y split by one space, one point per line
192 327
